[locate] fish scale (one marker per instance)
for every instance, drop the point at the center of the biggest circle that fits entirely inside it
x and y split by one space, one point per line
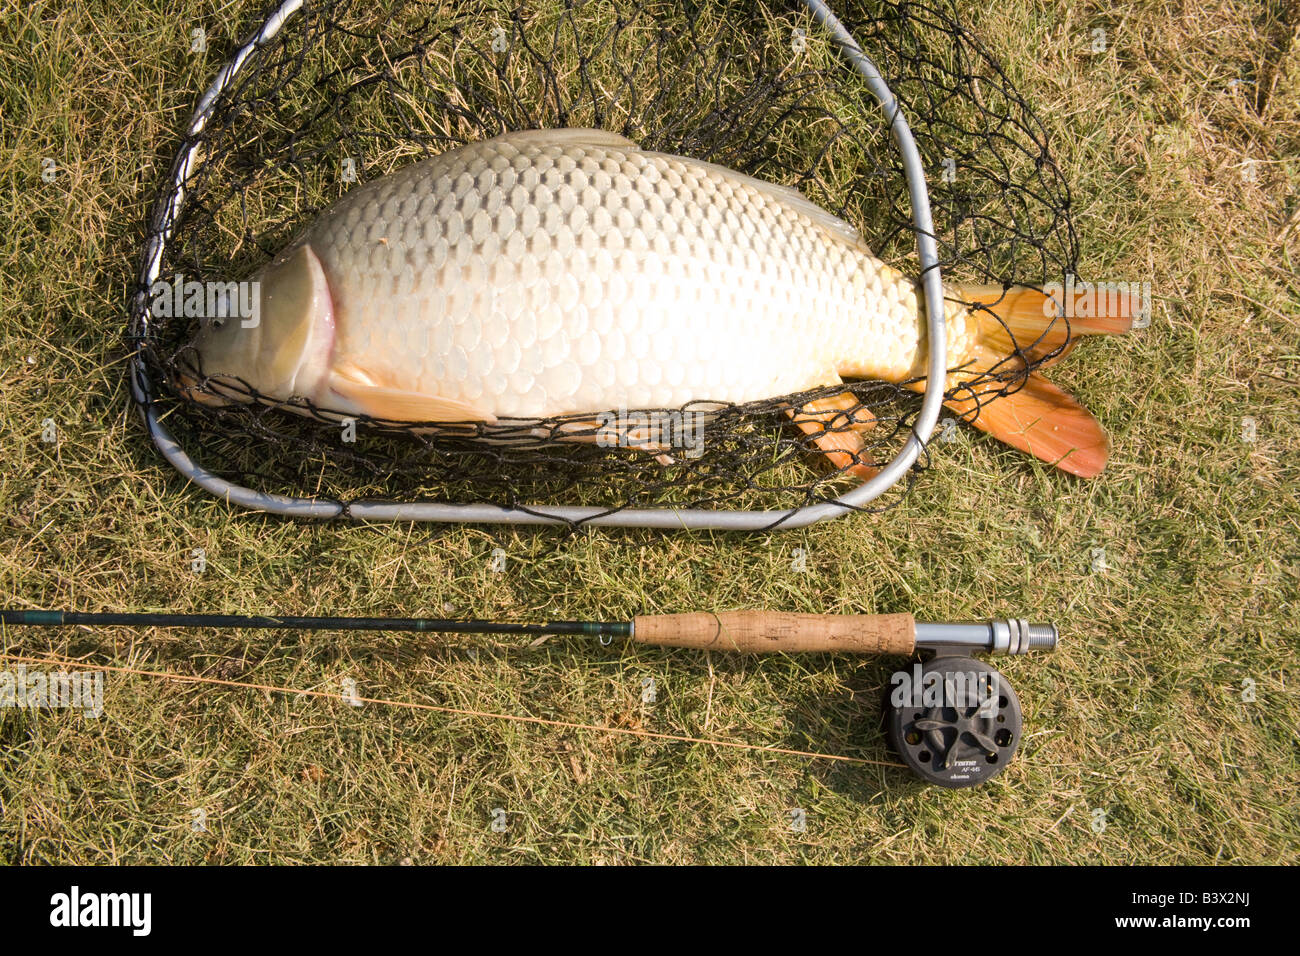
531 278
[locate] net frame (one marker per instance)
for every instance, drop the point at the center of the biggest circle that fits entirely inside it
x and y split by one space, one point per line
162 230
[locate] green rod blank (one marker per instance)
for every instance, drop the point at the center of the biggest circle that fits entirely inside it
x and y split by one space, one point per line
423 624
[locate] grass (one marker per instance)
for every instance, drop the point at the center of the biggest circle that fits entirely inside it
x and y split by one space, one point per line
1146 713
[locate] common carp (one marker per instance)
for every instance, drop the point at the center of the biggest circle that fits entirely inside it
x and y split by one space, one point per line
564 272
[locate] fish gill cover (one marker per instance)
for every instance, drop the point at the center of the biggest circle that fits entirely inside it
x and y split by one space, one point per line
349 91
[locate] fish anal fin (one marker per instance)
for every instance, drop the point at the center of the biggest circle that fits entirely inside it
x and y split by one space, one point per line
836 424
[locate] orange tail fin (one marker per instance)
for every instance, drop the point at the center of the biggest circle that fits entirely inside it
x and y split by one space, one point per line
1028 318
1037 417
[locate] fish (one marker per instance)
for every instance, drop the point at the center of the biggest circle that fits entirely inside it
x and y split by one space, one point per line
566 272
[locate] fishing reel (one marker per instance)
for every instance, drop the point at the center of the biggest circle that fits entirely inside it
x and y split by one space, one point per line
955 719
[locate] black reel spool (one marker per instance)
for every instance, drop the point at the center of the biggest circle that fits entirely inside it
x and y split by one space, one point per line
961 727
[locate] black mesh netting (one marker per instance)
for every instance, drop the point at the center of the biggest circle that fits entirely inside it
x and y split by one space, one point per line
366 87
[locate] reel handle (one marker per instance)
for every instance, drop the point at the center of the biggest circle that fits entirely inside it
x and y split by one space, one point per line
758 632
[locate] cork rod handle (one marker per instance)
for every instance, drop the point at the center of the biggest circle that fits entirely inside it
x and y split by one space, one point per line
780 632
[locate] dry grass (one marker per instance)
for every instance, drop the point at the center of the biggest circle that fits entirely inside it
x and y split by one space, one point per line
1140 714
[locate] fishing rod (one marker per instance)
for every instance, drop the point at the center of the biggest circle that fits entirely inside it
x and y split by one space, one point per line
745 631
956 721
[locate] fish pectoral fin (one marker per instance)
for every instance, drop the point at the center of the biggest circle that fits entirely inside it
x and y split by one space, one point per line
399 405
354 373
836 425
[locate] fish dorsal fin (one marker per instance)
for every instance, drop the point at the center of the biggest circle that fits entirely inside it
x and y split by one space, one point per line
566 137
787 195
399 405
604 139
828 221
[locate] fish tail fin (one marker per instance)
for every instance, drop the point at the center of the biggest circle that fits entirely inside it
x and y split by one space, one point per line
1037 417
1030 321
1028 412
836 424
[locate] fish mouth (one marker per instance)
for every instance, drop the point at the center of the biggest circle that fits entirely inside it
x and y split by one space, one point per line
191 389
213 391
